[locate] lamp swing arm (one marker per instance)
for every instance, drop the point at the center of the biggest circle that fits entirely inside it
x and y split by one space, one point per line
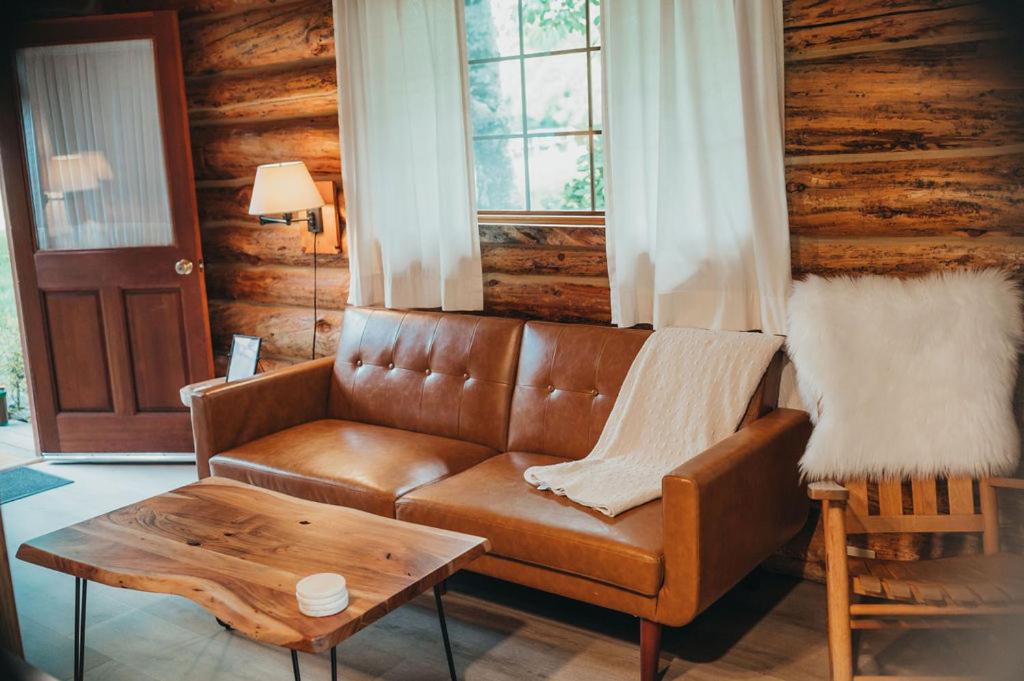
312 220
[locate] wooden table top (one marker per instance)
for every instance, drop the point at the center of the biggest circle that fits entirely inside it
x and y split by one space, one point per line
238 551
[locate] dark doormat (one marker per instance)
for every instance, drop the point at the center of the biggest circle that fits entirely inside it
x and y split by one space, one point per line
18 483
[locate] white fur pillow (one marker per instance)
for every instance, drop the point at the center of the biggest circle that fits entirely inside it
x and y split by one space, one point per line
908 378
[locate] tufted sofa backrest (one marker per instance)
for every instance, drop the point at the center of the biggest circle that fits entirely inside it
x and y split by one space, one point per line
429 372
569 377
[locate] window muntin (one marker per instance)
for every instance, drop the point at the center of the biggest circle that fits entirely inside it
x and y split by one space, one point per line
535 99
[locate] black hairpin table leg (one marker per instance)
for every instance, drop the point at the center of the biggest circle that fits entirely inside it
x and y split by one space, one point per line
444 631
80 594
334 664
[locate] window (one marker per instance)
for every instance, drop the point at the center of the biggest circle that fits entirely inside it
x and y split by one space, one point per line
535 104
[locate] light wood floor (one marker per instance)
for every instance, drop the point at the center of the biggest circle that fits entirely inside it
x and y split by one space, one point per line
768 628
16 445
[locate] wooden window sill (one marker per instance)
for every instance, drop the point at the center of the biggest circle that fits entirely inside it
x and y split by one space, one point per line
545 219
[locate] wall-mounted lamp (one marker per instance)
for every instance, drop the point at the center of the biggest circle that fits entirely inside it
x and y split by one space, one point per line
283 189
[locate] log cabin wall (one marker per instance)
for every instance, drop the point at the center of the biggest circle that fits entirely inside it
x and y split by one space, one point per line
904 154
261 87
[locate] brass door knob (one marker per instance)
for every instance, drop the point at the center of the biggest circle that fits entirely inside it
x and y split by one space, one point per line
183 267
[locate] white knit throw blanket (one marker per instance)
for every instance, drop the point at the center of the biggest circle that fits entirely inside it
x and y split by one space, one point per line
686 390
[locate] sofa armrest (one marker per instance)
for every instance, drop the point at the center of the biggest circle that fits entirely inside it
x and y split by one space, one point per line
235 413
726 510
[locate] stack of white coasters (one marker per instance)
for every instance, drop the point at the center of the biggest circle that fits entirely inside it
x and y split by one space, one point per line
322 595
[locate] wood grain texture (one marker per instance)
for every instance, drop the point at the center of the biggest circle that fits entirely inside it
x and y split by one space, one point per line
264 94
944 25
286 331
239 551
904 256
554 298
187 9
529 235
940 97
260 37
278 285
571 262
553 273
233 151
225 204
969 196
814 12
254 244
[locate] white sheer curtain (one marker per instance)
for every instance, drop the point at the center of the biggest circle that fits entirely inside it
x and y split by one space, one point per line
406 160
696 206
95 150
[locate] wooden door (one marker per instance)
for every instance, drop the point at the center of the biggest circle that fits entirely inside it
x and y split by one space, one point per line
104 231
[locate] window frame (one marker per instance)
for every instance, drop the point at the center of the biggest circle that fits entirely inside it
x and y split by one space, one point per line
546 217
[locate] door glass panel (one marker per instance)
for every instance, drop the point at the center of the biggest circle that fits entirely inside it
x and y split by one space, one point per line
94 145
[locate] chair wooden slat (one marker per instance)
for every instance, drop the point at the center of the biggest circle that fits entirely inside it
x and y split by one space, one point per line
989 593
961 496
928 594
858 503
914 523
926 497
890 498
964 581
959 594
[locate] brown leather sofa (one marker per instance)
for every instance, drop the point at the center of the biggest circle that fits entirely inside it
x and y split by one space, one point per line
432 418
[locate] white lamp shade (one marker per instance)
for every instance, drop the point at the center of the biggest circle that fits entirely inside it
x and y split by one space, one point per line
77 172
283 188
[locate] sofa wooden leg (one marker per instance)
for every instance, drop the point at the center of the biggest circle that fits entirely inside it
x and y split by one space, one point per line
650 649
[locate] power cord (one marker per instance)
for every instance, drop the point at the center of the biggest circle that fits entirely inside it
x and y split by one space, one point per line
312 354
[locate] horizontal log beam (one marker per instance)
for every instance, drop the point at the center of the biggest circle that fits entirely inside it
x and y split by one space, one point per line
958 24
579 299
904 256
188 9
224 204
798 13
529 235
516 259
286 331
953 96
255 244
225 152
957 196
264 95
278 285
274 34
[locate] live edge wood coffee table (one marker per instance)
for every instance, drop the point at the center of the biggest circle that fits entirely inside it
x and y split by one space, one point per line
239 550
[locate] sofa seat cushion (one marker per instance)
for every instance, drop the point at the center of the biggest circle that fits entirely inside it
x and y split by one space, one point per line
492 500
347 463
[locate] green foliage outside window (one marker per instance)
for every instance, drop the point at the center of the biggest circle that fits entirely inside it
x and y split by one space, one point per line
12 363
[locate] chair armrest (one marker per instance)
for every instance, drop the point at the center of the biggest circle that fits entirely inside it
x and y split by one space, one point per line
227 416
827 490
1006 483
727 509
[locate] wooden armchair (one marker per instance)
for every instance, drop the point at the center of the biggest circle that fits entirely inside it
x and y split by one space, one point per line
925 594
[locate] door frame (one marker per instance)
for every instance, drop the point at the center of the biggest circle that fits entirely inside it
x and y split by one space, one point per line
162 28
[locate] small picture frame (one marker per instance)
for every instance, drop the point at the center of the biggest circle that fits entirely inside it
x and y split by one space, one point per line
245 355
